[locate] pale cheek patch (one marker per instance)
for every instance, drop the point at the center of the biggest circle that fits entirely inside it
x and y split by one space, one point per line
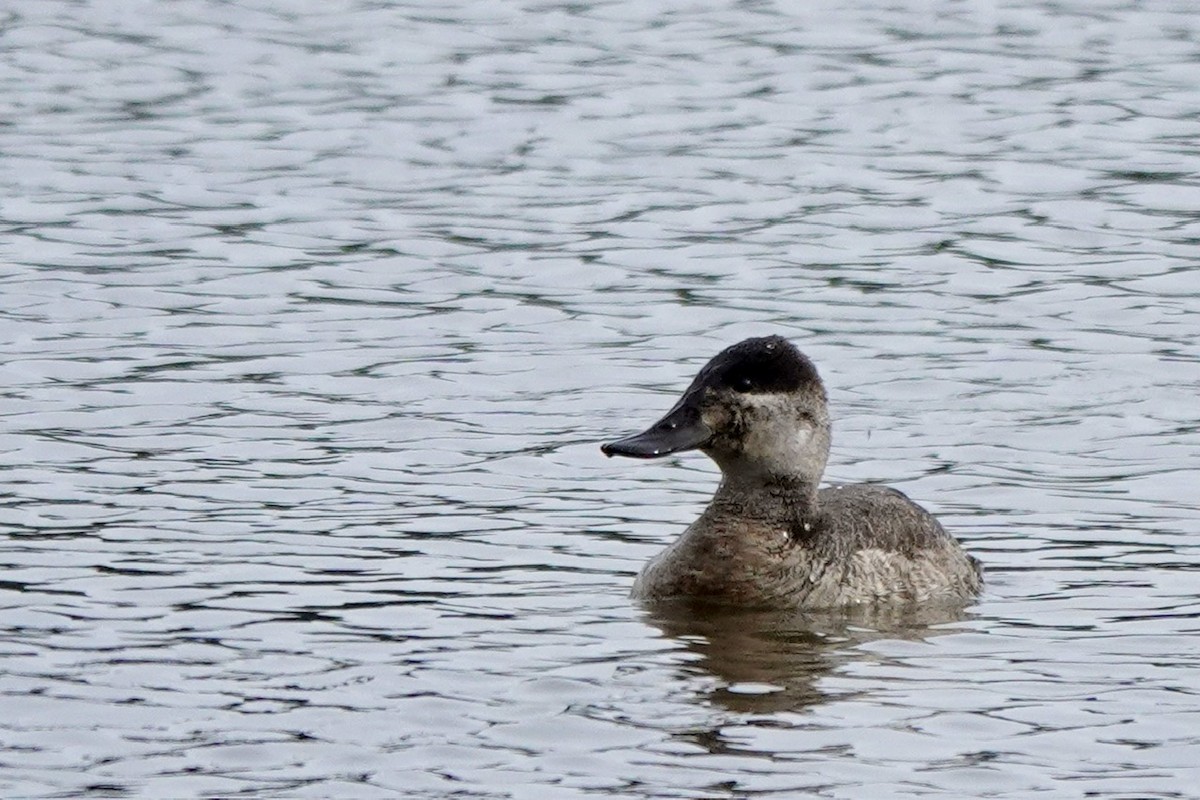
774 433
769 410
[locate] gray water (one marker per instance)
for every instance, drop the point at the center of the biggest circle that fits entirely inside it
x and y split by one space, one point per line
313 314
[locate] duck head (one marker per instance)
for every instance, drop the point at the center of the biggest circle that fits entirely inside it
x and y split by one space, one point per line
758 409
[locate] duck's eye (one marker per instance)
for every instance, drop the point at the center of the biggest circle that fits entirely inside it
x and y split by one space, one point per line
743 384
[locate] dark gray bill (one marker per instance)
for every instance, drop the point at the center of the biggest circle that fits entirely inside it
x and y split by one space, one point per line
681 429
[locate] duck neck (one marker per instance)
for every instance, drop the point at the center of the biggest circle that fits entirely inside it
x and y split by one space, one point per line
778 499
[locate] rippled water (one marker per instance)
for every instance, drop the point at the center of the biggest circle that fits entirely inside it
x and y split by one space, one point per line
313 314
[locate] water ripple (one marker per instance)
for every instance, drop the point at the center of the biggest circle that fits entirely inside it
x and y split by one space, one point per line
312 317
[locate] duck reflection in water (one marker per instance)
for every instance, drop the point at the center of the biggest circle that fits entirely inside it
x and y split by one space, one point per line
767 661
770 538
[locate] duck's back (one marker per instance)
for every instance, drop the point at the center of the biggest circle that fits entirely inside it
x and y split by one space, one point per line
890 548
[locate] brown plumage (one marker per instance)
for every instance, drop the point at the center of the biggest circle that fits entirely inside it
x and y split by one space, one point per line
769 537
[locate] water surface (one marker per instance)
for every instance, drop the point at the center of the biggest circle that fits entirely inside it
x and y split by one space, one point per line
312 316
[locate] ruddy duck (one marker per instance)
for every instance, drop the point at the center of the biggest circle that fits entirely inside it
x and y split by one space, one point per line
769 537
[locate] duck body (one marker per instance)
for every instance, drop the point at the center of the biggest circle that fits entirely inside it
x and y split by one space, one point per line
858 544
770 537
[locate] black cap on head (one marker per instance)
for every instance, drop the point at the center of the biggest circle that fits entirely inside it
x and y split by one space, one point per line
758 366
